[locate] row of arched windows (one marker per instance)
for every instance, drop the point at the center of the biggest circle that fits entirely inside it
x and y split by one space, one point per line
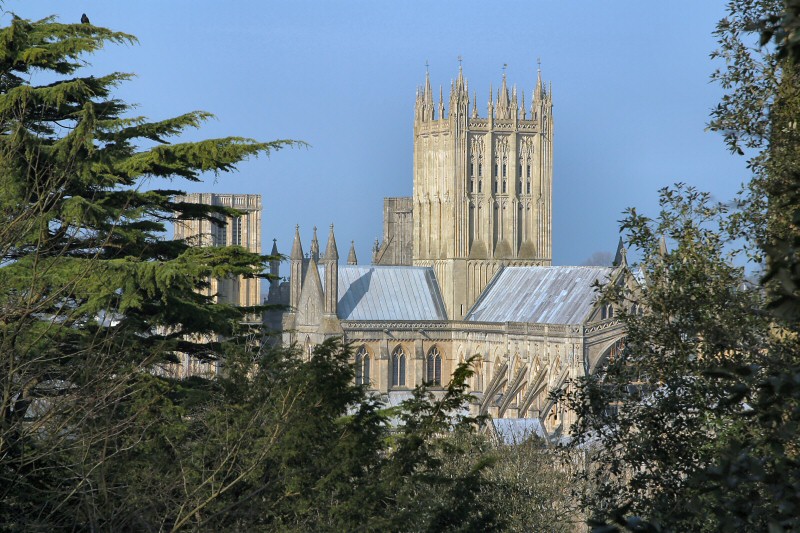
607 311
433 367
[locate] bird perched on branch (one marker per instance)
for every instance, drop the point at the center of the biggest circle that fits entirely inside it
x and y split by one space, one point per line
85 19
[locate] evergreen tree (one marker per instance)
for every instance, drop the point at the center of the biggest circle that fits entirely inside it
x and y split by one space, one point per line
94 299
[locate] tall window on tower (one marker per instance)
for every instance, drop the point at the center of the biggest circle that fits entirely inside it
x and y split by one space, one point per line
471 185
526 161
219 234
236 231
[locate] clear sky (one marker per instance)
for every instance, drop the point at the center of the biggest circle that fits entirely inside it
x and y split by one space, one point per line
630 83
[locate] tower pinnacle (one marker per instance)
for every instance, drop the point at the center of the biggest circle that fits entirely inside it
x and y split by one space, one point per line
297 246
351 257
315 246
331 253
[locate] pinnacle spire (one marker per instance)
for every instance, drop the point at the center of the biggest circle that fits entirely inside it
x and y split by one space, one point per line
621 258
351 257
297 246
427 97
315 246
274 251
475 105
522 109
539 90
428 93
331 253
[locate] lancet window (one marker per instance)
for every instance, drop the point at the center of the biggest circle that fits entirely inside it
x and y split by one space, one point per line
433 367
363 364
398 367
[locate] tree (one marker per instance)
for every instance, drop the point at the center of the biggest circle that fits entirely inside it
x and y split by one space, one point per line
94 301
653 417
695 426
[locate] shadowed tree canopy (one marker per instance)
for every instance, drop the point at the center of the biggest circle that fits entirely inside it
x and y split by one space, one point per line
93 298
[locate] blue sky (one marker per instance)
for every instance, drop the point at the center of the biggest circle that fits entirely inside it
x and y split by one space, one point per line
630 86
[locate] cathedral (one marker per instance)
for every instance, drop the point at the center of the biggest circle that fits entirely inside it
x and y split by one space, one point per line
464 268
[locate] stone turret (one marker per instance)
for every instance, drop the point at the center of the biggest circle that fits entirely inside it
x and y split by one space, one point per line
351 257
274 267
296 270
331 263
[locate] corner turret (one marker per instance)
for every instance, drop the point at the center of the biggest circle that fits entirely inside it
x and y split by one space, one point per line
331 262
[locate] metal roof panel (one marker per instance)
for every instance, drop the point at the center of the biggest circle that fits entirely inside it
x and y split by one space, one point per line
389 293
537 294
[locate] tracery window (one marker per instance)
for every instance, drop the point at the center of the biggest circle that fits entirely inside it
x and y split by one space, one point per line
236 231
219 234
362 367
433 367
398 367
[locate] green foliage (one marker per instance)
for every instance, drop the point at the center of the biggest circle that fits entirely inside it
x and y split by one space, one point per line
695 426
94 301
653 418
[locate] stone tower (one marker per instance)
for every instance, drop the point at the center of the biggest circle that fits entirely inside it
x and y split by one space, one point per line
244 230
482 186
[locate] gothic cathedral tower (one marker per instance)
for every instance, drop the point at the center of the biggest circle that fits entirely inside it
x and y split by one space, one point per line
482 187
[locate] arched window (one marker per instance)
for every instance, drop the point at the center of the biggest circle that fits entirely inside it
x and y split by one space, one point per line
362 366
398 367
433 367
